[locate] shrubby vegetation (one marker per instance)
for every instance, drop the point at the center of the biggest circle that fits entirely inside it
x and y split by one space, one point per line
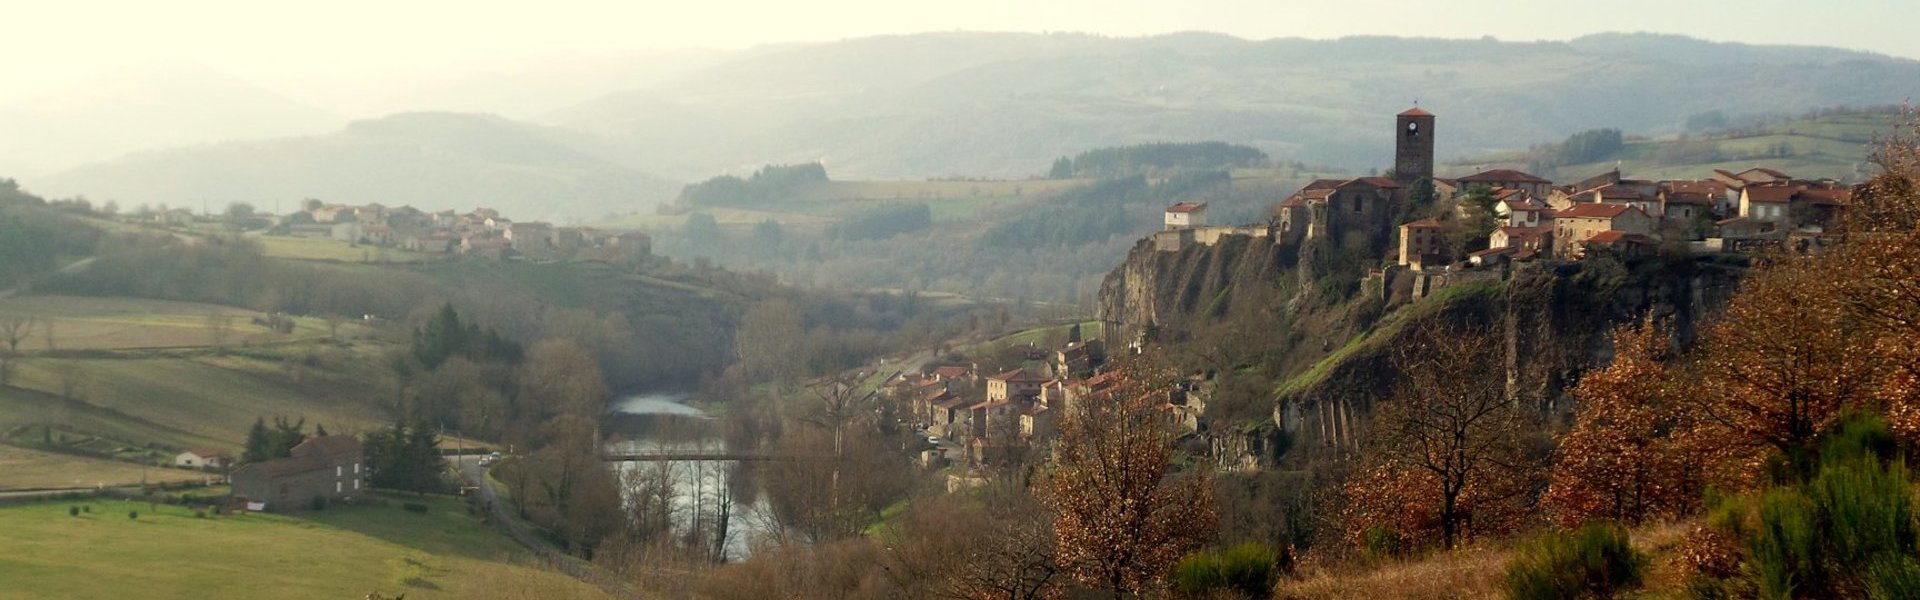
1593 561
1156 158
768 184
883 221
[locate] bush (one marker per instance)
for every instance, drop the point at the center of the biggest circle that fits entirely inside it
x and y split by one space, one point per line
73 511
415 507
133 514
1594 561
1247 568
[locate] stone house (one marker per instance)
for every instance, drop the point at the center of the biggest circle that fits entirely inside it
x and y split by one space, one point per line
1422 242
1186 214
1495 179
1012 385
321 469
1573 226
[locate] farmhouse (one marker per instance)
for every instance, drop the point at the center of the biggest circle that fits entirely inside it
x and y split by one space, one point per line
321 470
1574 226
203 458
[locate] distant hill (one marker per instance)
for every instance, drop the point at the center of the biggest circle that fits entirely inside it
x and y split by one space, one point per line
1002 105
147 107
993 104
1831 144
429 160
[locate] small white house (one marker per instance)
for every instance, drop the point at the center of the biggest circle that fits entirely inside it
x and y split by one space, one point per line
1187 214
203 458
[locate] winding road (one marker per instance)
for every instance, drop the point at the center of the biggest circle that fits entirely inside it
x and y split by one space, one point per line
475 475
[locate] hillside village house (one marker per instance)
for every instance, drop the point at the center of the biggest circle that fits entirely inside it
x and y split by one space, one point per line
322 469
1575 225
1422 241
203 458
1187 214
1451 190
1518 208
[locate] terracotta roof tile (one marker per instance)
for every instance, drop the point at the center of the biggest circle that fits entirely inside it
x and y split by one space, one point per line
1502 176
1593 210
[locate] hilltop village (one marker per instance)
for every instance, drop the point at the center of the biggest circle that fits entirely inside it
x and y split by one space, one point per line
1478 224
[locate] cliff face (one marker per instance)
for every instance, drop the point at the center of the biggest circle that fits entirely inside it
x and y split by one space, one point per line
1551 320
1170 292
1325 346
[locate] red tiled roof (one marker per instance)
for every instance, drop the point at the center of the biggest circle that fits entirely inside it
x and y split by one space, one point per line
1323 184
950 371
327 445
1502 176
1593 210
1427 223
1379 182
1017 375
1187 207
1700 186
281 467
1493 251
1415 112
1618 192
1772 193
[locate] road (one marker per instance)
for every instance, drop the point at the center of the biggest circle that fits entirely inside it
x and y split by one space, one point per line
475 475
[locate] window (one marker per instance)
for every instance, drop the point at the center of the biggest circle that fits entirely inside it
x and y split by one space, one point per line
356 468
336 487
356 484
338 470
1356 204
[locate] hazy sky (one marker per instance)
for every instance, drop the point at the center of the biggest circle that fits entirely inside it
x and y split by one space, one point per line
48 41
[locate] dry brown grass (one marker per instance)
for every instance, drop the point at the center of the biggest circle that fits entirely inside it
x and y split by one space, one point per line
1479 573
1469 573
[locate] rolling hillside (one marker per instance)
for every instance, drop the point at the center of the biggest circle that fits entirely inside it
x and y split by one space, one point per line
1005 105
1814 146
433 161
1000 104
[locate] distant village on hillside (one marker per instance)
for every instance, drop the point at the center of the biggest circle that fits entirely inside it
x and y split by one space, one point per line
481 233
1531 218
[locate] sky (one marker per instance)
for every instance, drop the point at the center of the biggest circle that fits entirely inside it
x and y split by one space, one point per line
369 42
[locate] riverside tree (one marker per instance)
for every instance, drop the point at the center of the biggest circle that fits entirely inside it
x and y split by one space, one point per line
1123 514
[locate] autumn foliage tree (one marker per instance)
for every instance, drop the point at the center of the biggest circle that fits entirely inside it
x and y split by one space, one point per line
1446 458
1783 363
1123 515
1620 461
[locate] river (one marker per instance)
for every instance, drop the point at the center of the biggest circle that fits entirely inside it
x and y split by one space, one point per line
707 496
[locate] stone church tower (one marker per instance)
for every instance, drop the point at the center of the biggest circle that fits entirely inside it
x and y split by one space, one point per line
1413 146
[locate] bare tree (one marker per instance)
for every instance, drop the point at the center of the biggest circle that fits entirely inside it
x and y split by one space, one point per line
219 327
333 322
1448 440
14 330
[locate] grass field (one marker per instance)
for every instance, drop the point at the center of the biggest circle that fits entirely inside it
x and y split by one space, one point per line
280 246
25 469
342 552
208 397
90 323
1831 146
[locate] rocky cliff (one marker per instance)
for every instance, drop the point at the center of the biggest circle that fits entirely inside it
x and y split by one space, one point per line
1318 325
